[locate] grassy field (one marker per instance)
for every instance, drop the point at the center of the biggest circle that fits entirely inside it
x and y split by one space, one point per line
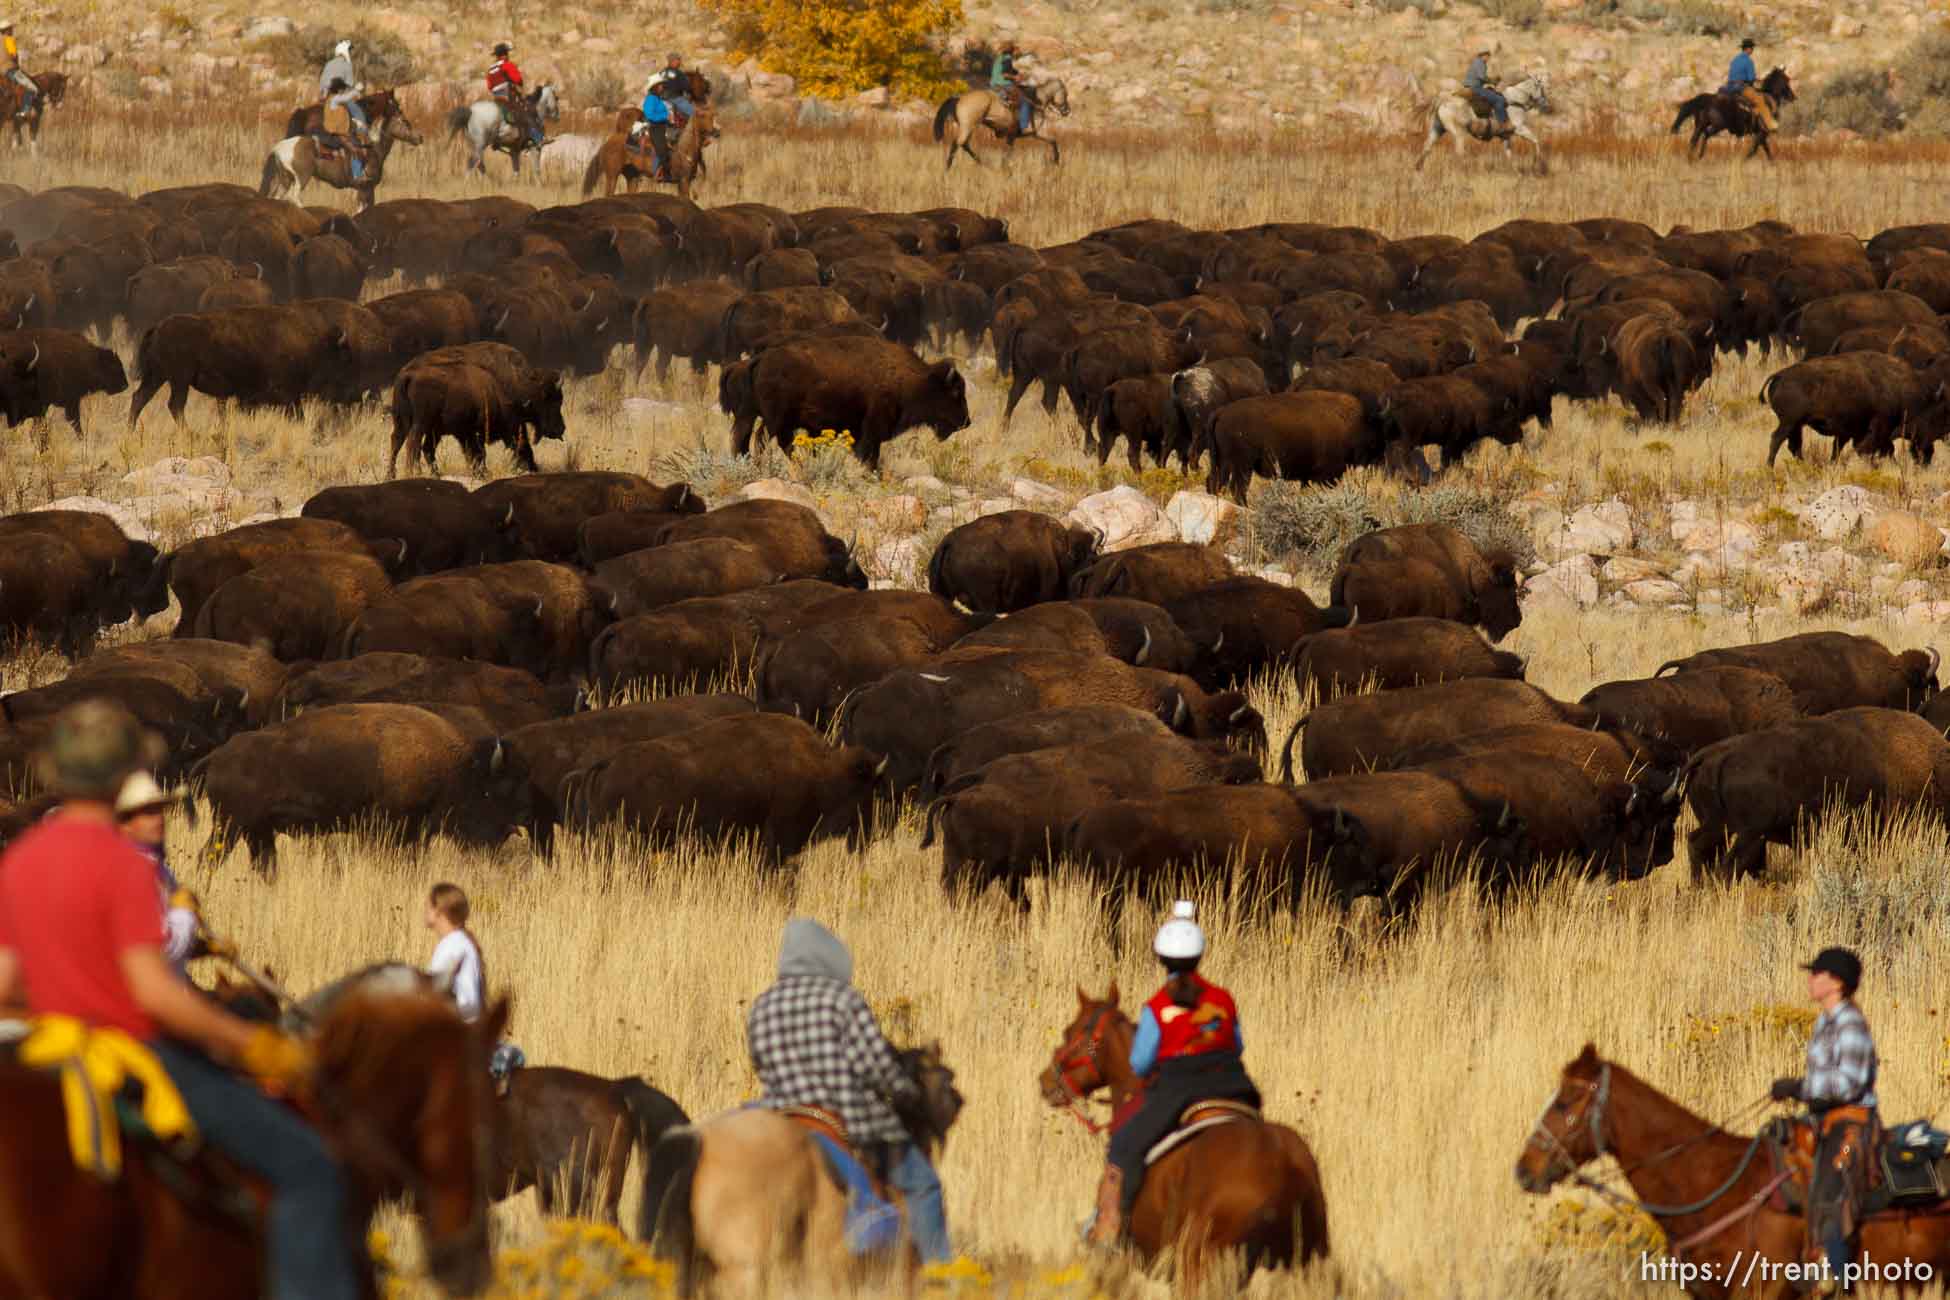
1414 1066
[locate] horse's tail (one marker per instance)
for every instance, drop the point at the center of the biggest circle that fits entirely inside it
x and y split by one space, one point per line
1686 110
270 176
651 1113
664 1219
943 114
458 119
295 124
594 172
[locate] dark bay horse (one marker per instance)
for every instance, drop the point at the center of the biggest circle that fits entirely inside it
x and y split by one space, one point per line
1709 1189
54 88
567 1129
1250 1186
1714 112
400 1091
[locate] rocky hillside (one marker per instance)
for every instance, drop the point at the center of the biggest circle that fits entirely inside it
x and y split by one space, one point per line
1241 65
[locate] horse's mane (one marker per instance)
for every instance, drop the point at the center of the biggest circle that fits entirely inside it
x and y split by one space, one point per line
384 979
357 1040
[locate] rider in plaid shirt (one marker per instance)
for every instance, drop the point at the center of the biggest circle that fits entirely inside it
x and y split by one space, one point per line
814 1042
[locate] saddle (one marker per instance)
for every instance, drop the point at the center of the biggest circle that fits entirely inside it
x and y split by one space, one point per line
1908 1170
873 1220
1195 1119
1478 105
97 1069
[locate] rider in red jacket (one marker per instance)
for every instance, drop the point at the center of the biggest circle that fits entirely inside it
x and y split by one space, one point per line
505 84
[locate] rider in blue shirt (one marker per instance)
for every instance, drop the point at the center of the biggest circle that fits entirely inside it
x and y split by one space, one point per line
1478 80
656 117
1743 83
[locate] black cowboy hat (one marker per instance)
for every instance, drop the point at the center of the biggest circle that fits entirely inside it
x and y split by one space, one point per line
1747 44
1843 964
503 47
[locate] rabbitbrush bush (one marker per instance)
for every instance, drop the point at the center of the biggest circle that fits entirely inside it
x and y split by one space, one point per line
840 47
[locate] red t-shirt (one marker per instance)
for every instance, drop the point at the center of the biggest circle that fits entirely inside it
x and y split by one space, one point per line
504 73
74 896
1211 1026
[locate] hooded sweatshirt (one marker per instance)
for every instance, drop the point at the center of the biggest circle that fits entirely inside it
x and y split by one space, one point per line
815 1042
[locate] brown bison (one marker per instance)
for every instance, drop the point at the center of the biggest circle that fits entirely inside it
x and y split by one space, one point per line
643 581
41 370
351 764
294 606
196 569
1358 732
1657 366
790 536
1817 325
704 782
872 389
1695 708
1831 670
695 642
472 405
1243 626
1397 653
1160 573
449 616
1428 571
1009 561
1304 436
441 523
1753 790
1044 729
507 697
1865 399
547 511
1199 393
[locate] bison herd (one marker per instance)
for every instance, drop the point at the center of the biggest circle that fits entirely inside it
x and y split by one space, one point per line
524 658
1284 350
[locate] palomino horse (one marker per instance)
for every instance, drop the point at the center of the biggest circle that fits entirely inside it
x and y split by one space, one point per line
1249 1185
1710 1190
293 162
616 159
1454 114
958 117
567 1129
744 1200
400 1091
1713 113
485 128
54 88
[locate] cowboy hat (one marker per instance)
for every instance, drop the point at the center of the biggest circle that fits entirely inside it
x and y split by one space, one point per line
502 47
140 793
6 24
1747 44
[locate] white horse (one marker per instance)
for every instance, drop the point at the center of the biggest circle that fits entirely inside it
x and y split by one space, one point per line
569 153
1454 114
484 128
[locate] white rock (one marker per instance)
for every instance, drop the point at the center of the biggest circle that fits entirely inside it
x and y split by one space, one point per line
898 561
1837 512
1031 493
924 483
269 27
150 478
1910 593
1738 540
1569 582
1594 530
1125 516
995 506
1627 569
1927 611
1656 591
778 489
1203 518
901 513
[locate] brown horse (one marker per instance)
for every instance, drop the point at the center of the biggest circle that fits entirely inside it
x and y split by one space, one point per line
311 117
616 159
1713 112
400 1092
54 88
1250 1185
960 116
567 1128
294 161
1710 1190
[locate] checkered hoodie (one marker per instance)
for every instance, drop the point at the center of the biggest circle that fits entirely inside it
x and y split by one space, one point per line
814 1040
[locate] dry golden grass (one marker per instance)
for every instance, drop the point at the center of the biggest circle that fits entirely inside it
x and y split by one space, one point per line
1414 1066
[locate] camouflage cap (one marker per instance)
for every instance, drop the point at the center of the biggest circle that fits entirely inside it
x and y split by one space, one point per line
93 748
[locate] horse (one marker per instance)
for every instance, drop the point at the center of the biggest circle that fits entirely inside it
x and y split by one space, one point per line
310 118
616 158
294 161
959 115
1710 1190
485 129
1715 112
54 88
1249 1185
1454 114
565 1128
400 1092
697 87
745 1199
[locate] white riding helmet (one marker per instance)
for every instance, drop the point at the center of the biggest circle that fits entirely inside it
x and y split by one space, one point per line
1180 938
343 49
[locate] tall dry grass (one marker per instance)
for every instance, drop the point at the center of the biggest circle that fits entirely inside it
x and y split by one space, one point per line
1413 1065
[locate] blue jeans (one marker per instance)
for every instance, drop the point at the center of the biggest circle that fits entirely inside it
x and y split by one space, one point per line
1022 115
310 1248
927 1218
1497 102
683 105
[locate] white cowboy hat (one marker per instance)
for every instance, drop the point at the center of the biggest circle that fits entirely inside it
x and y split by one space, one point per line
140 792
6 24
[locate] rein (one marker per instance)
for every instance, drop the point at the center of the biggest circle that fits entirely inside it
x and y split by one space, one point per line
1086 1048
1597 1097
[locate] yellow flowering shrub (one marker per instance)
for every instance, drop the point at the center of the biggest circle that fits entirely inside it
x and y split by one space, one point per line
840 47
1601 1228
1784 1025
587 1261
824 459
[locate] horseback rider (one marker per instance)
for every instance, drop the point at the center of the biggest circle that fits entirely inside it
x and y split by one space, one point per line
656 122
1839 1089
1189 1033
675 85
504 83
81 935
1743 85
30 89
341 96
815 1042
140 809
338 67
1006 80
1478 80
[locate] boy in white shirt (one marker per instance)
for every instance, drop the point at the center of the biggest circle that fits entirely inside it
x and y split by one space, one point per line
456 957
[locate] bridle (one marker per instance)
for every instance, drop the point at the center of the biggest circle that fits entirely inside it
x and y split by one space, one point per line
1081 1049
1597 1096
